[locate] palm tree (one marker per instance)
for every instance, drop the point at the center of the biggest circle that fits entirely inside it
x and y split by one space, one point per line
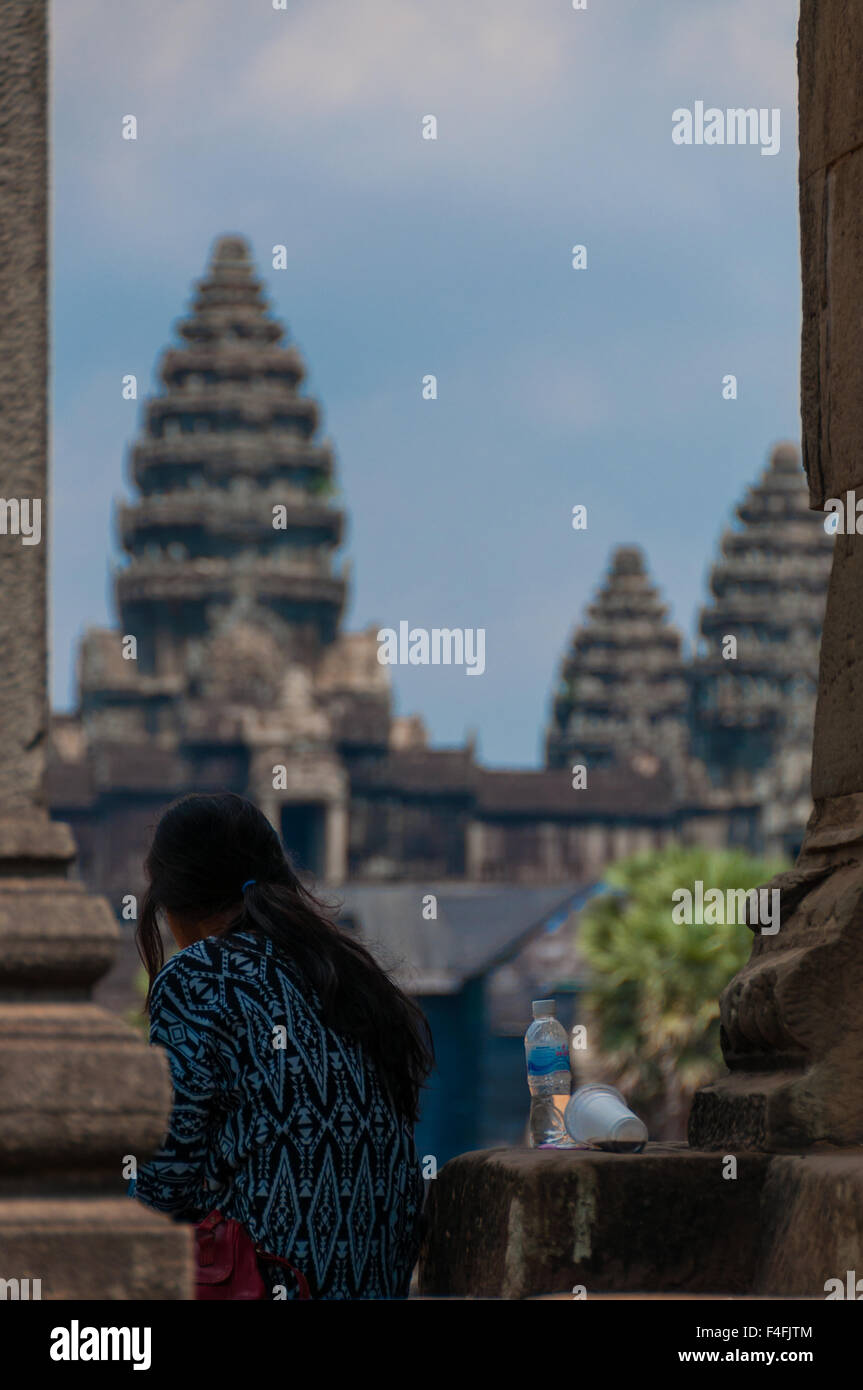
652 1001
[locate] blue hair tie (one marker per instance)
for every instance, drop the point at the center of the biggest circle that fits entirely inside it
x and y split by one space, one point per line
248 883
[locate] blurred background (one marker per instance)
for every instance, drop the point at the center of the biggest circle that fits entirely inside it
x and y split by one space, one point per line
249 297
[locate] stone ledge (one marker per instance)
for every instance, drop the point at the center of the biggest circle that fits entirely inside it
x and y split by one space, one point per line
96 1248
811 1221
520 1223
35 838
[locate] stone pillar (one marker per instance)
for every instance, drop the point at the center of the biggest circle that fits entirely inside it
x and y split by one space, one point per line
791 1020
78 1089
336 836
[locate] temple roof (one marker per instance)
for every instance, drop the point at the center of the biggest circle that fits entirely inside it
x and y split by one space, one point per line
617 791
423 772
477 927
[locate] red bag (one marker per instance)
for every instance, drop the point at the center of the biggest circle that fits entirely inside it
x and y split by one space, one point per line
227 1261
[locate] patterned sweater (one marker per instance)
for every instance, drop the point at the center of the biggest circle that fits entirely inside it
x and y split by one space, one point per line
281 1123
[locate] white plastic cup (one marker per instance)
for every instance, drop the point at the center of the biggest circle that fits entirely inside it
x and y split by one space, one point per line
599 1116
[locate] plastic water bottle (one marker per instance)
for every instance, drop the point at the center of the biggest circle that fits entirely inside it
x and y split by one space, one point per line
546 1051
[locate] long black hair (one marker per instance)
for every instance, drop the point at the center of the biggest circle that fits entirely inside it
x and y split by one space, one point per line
204 849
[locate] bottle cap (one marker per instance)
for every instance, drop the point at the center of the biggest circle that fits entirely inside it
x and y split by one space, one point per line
544 1008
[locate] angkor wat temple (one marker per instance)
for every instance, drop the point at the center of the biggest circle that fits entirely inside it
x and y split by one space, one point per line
241 676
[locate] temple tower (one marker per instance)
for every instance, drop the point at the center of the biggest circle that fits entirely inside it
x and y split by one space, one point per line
239 675
756 705
622 688
229 439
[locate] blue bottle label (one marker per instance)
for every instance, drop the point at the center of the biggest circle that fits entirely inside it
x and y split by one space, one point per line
542 1061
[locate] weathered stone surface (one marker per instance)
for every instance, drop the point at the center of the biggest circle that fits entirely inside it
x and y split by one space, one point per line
34 842
24 417
790 1019
830 67
78 1091
837 755
830 62
508 1223
520 1223
811 1222
94 1248
51 929
832 243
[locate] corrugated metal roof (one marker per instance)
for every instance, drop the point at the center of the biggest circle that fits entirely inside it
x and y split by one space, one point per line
478 926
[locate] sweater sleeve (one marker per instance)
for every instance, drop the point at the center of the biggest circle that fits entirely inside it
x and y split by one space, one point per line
181 1177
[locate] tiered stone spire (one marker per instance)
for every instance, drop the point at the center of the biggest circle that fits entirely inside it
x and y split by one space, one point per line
622 688
231 594
230 438
769 591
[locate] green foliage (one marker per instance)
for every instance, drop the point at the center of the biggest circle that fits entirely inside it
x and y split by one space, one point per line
135 1016
652 1004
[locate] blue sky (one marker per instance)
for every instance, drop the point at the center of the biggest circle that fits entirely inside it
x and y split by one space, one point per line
407 256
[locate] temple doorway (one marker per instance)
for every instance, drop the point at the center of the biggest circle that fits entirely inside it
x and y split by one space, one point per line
303 828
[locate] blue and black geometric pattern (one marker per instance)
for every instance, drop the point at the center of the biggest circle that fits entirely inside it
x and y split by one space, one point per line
298 1142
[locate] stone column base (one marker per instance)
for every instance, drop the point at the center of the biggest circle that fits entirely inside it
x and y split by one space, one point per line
81 1094
771 1112
790 1020
94 1248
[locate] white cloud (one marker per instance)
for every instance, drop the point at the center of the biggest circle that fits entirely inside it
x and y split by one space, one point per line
339 59
343 86
739 46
